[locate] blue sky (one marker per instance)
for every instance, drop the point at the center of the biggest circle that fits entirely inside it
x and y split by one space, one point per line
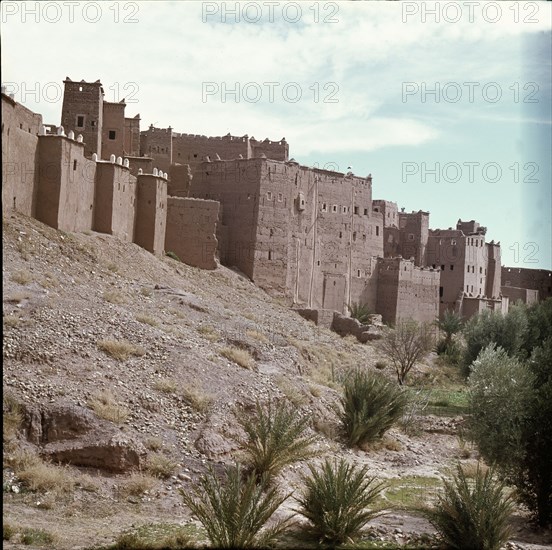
361 69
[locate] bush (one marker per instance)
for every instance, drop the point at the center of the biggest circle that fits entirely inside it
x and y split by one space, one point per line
510 421
506 331
120 349
275 437
239 356
472 514
172 255
234 513
335 500
405 345
160 466
36 536
105 405
360 312
370 405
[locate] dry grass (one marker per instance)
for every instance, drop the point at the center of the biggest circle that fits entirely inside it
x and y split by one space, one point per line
197 398
17 297
154 443
256 335
166 385
43 476
146 291
37 537
208 332
137 484
11 321
22 277
105 405
292 392
147 319
50 281
120 349
11 417
315 390
177 312
114 297
239 356
470 468
112 267
161 466
87 483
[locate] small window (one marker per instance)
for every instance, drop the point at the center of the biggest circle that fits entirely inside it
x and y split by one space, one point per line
340 234
80 121
468 268
452 241
452 267
366 211
344 210
356 210
358 272
440 292
270 254
324 207
334 208
377 230
480 270
80 88
93 123
280 197
443 267
74 165
112 134
354 235
467 288
195 155
269 195
411 236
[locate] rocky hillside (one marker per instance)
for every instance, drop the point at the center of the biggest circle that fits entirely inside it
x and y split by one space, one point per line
130 368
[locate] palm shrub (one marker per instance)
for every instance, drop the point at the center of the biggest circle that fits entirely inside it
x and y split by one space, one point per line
275 436
234 513
370 405
472 514
360 312
335 500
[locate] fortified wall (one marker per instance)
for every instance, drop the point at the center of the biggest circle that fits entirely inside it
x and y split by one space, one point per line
314 235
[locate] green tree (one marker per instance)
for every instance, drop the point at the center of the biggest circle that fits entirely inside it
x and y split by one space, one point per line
450 324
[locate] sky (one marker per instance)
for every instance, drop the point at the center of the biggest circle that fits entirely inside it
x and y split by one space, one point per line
447 105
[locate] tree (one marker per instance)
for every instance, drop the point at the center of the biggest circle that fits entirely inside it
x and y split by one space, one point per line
511 403
406 344
450 324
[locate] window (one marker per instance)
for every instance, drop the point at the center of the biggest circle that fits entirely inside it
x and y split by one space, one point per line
443 267
440 292
467 288
377 230
366 211
356 210
358 272
340 234
480 270
80 121
280 197
452 241
270 254
354 236
468 268
334 208
452 267
80 88
411 236
112 134
269 195
324 207
344 210
471 288
74 165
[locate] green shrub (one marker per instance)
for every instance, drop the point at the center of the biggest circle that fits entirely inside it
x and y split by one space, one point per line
360 312
8 531
155 536
472 514
235 513
275 437
370 405
335 500
36 536
172 255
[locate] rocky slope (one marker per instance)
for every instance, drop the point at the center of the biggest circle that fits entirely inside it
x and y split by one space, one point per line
97 328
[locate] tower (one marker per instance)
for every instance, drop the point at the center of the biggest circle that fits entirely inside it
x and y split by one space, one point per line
82 112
